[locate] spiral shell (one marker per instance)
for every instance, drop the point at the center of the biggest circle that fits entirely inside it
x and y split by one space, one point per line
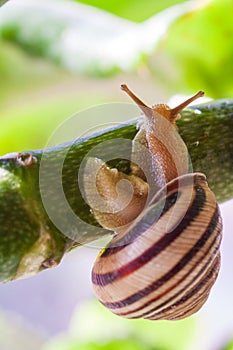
164 265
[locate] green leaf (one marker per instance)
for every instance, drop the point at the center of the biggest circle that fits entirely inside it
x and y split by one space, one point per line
229 346
199 50
84 39
134 10
90 41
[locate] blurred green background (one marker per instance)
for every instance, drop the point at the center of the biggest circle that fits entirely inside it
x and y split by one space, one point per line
40 86
59 57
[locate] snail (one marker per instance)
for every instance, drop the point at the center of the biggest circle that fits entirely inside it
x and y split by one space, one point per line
164 256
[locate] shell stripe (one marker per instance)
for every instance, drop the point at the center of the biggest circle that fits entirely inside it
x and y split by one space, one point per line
171 273
159 205
158 247
154 213
194 291
216 243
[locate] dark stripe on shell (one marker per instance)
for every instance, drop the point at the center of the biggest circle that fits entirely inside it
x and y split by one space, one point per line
216 242
192 213
153 215
149 254
159 307
161 203
193 292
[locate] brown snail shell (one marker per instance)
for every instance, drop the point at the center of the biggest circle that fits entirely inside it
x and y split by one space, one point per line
160 271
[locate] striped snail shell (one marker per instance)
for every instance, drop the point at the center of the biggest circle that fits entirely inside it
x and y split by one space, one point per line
164 263
147 272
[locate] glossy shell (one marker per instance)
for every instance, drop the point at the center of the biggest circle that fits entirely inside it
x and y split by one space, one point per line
165 264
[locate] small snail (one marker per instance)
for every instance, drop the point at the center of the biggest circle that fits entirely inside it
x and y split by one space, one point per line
164 257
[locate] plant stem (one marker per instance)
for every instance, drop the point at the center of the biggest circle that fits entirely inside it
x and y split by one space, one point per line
29 239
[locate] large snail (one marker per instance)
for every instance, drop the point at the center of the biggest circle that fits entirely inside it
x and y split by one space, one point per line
164 258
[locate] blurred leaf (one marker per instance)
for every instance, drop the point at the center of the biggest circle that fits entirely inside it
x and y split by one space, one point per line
90 41
104 325
122 344
229 346
134 10
200 49
93 327
84 39
31 124
2 2
20 73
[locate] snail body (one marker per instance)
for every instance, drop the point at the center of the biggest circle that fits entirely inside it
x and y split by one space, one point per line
163 261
